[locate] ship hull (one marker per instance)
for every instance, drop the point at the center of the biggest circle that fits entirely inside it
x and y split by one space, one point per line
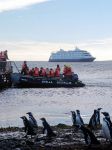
72 60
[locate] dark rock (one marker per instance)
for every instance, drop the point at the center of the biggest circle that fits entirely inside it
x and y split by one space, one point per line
66 139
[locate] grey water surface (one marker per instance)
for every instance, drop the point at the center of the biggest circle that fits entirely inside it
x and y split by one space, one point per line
56 103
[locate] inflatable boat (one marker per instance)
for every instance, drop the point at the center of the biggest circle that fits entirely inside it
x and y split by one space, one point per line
26 81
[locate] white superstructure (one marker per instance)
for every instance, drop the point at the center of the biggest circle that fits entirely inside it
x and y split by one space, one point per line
76 55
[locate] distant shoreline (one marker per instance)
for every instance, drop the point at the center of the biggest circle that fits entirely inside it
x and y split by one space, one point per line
60 62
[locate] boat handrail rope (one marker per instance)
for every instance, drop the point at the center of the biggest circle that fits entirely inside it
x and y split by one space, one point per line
16 67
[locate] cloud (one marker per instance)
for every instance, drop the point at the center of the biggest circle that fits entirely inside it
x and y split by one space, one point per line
33 50
6 5
101 49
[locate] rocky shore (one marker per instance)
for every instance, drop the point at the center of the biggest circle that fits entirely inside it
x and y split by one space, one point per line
67 138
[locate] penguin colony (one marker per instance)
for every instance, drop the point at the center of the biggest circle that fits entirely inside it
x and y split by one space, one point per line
31 126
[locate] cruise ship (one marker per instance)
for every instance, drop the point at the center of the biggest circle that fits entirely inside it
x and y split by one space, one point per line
76 55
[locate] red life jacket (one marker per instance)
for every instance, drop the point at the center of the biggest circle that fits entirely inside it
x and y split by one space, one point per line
2 56
24 66
43 72
69 71
65 70
58 68
57 72
30 72
47 72
36 72
52 73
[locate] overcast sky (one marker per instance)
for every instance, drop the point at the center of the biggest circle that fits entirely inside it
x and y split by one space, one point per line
32 29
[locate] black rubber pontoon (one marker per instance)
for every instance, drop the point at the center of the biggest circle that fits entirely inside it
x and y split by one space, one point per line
26 81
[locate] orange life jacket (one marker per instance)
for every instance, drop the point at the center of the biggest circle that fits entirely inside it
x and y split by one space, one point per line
36 72
47 72
30 72
58 68
65 70
43 72
24 66
52 73
2 56
69 71
57 72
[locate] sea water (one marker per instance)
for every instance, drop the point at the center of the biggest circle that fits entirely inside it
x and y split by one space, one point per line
55 104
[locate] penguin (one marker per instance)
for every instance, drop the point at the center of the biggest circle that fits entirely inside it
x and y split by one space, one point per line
28 128
73 117
98 116
107 126
89 137
47 128
79 119
32 120
93 120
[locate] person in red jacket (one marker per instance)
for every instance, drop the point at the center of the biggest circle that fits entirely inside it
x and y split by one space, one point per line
47 72
57 71
58 67
52 73
42 72
4 55
24 68
67 72
36 72
31 72
1 55
3 58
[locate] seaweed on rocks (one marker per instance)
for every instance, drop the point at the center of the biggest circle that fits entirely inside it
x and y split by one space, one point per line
67 138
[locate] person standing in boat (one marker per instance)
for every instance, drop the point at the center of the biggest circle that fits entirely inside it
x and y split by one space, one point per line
57 71
3 58
25 69
4 55
58 67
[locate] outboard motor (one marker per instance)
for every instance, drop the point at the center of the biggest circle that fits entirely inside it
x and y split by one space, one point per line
75 77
